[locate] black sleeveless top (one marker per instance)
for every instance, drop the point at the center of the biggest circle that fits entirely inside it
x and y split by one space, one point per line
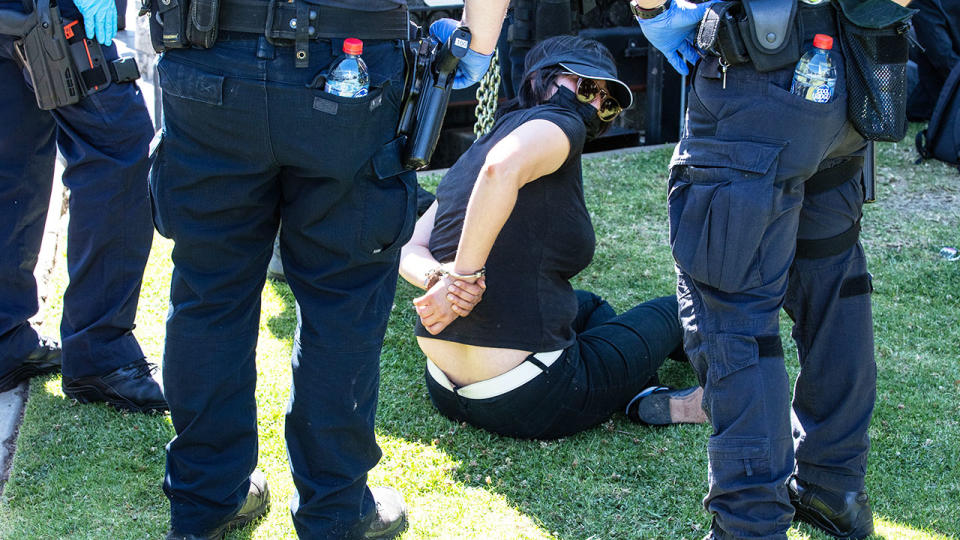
529 303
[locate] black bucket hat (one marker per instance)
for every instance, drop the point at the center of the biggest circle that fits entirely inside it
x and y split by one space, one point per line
568 53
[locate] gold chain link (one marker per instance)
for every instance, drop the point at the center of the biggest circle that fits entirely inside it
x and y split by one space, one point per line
487 94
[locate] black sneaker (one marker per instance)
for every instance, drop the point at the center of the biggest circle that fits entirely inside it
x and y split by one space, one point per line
255 506
660 406
131 387
46 358
841 514
391 518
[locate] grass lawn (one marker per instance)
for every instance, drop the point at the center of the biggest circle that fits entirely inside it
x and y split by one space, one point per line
87 471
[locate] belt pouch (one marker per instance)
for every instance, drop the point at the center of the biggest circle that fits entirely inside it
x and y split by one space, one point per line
44 53
876 69
171 26
201 28
770 33
719 34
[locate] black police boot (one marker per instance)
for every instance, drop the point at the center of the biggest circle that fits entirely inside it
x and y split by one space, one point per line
391 518
46 358
841 514
255 506
130 388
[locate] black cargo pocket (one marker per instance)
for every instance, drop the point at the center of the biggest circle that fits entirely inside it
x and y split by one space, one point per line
389 212
876 70
732 458
734 352
721 199
187 82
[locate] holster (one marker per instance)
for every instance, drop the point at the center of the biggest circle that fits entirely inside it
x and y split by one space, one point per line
765 32
63 65
44 53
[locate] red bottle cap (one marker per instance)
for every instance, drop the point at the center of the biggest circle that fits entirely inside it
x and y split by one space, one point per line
820 41
355 46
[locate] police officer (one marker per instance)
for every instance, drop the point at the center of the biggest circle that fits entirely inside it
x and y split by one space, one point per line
765 214
104 139
250 139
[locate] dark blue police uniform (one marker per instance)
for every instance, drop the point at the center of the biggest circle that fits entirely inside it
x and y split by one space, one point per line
765 205
247 143
104 139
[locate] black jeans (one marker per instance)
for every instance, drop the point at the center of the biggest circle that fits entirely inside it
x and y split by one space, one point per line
614 358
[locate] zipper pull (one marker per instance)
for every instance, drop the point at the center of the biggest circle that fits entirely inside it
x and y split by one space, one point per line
723 71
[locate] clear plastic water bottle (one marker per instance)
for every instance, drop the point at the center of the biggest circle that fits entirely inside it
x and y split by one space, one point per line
348 76
815 77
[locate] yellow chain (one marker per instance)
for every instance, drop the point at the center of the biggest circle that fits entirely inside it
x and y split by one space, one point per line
487 94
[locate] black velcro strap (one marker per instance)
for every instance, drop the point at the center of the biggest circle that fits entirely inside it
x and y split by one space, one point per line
250 16
93 77
835 176
769 346
856 285
827 247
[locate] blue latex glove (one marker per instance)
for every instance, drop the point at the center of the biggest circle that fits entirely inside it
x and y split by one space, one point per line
99 18
473 66
673 32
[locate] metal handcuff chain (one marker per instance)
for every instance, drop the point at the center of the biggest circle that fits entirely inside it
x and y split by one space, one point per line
487 94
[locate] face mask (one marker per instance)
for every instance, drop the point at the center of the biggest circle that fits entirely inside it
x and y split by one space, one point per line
568 100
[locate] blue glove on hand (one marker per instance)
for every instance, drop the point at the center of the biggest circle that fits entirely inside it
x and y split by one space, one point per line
673 32
99 18
473 66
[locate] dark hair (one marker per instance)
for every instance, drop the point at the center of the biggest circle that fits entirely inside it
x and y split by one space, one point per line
536 83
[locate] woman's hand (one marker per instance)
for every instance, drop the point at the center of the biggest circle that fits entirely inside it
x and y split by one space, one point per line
447 300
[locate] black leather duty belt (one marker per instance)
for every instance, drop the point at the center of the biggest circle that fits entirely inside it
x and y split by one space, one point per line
298 20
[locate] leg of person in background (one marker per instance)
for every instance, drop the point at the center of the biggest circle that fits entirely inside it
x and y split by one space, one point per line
27 151
105 140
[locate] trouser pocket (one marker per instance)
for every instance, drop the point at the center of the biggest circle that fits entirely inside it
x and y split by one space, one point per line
721 201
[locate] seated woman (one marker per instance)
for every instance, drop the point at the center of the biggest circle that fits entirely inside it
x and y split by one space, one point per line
534 358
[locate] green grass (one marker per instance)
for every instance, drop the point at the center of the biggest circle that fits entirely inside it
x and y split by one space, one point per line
90 472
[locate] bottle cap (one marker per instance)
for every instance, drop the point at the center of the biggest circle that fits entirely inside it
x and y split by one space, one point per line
352 46
820 41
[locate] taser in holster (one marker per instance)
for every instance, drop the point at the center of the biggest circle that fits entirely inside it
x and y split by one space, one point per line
64 66
434 67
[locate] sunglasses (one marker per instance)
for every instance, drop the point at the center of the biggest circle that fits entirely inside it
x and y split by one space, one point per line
587 92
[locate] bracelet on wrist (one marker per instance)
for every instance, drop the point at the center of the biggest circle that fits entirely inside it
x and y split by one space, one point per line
432 277
647 13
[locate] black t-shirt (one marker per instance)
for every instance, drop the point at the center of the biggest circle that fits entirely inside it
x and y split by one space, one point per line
529 303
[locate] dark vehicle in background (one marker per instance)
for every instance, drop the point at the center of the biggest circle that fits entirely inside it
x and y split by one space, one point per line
656 114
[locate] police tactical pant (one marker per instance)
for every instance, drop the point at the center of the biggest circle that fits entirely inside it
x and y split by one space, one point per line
247 143
104 139
738 206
